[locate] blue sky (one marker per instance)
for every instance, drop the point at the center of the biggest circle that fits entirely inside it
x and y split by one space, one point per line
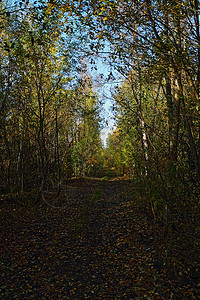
105 95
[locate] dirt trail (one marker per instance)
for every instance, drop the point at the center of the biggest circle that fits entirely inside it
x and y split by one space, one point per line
97 244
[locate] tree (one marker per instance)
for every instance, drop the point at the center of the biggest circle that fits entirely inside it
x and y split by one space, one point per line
42 112
157 42
87 144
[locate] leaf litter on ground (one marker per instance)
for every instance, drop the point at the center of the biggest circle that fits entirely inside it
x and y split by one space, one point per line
97 243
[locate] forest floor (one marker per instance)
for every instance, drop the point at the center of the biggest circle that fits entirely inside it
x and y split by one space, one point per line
95 242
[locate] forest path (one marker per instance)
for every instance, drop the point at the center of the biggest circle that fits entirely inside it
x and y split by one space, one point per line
95 243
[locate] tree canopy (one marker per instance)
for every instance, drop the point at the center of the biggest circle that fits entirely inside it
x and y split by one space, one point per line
50 111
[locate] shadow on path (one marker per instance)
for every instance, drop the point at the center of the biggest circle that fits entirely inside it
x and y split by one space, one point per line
113 254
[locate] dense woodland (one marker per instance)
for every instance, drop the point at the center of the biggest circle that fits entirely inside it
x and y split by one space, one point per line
50 112
50 125
50 107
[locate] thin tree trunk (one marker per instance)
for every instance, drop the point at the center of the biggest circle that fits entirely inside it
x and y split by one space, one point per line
58 154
